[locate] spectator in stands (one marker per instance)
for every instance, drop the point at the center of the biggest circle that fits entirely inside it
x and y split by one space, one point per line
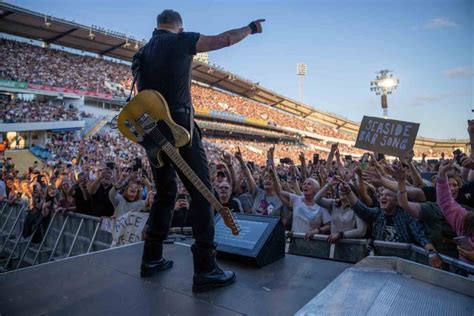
66 202
227 199
99 194
265 201
390 222
51 201
438 229
308 217
460 219
149 200
181 215
129 200
81 195
344 222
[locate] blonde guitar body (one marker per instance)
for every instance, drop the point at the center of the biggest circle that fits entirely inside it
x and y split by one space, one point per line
147 116
153 103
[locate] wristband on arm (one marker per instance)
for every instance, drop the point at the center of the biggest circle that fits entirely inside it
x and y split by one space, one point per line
253 27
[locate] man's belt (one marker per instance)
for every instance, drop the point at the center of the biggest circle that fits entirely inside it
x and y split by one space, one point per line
181 110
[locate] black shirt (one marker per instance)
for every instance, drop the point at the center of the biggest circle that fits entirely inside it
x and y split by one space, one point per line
165 66
234 205
82 206
100 202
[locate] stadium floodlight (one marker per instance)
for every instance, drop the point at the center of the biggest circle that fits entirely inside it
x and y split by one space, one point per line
301 70
384 84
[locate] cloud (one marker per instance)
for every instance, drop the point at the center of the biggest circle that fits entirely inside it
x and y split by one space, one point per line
440 23
430 99
459 72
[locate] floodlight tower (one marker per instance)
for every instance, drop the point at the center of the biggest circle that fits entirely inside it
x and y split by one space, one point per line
301 72
384 84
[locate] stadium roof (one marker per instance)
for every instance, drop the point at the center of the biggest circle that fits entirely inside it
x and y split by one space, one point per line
29 24
25 23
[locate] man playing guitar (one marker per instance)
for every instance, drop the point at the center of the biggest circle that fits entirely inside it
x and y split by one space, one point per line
164 64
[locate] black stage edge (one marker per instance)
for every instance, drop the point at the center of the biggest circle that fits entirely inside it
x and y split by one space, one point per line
108 283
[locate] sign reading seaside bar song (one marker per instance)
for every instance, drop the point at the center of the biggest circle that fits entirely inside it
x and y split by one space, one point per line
386 136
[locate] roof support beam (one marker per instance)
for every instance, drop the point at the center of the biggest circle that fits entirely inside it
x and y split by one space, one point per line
276 103
55 38
217 81
108 50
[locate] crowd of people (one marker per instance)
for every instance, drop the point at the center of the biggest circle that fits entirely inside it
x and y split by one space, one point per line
211 99
54 67
21 111
315 193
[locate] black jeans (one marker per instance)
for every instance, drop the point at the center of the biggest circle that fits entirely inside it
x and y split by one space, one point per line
166 185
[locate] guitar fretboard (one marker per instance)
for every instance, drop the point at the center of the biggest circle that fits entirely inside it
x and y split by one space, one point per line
174 155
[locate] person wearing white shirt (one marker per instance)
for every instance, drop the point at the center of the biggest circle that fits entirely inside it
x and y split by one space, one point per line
308 217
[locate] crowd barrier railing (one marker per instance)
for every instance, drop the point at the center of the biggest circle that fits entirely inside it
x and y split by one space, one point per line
61 237
354 250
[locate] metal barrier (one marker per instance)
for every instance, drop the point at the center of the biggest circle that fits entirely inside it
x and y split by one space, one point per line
354 250
73 234
63 236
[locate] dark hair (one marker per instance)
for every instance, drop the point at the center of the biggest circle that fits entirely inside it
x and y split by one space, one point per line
169 17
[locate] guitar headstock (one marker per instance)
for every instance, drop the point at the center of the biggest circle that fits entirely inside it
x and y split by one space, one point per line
230 220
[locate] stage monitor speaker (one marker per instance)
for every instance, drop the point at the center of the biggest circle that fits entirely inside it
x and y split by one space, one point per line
261 240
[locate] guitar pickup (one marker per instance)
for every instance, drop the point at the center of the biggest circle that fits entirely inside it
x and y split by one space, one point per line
133 130
146 122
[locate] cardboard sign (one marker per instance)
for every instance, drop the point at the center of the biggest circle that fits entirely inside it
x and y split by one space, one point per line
391 137
127 229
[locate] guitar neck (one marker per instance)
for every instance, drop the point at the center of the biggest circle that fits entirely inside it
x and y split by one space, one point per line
189 173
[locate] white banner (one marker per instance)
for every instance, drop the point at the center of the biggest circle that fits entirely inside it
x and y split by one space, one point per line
127 229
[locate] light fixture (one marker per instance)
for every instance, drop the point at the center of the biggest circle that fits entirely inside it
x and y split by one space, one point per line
384 85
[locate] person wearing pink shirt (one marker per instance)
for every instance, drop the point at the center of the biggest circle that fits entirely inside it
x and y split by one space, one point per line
459 218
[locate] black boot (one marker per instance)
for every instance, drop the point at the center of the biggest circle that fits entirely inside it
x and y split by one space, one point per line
152 260
207 274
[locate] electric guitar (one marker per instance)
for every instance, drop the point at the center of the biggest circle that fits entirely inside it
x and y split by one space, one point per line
147 115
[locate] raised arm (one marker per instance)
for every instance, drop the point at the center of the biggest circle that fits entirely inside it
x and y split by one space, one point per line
320 196
227 159
293 179
245 170
304 170
375 177
228 38
284 195
364 196
413 209
365 213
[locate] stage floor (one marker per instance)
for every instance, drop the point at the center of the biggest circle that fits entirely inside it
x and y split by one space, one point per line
108 283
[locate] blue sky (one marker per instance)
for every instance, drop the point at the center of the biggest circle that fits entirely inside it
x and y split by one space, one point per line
428 45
